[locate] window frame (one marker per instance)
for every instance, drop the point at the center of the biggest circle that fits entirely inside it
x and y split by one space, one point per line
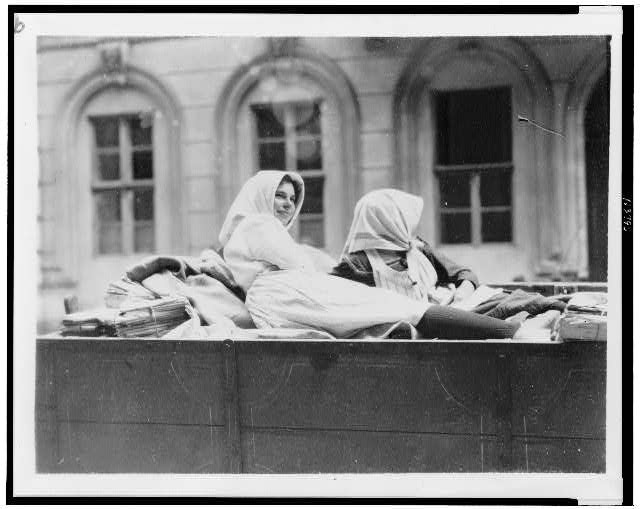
125 184
475 208
475 171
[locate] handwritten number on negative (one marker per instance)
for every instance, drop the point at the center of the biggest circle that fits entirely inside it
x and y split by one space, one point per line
627 215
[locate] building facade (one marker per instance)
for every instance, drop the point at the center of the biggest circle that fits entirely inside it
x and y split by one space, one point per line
144 142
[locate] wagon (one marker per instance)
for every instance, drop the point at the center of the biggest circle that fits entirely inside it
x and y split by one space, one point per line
233 405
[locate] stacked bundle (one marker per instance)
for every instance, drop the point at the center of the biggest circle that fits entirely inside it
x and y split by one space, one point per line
154 318
127 291
136 319
585 318
93 322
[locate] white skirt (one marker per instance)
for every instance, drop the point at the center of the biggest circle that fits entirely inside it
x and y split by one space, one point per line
299 299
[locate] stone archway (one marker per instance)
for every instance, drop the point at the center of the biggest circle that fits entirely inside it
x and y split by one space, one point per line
468 63
113 75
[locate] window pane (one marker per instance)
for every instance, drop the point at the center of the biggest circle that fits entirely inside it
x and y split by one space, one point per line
473 126
496 226
108 166
106 129
110 238
455 190
312 231
108 217
307 118
309 155
143 204
108 206
269 121
455 228
495 188
313 196
140 127
143 241
271 156
142 164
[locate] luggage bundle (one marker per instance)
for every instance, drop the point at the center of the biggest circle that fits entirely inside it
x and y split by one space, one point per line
585 318
153 318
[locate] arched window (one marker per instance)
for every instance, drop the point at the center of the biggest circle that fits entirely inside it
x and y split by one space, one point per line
119 183
291 130
486 180
473 165
297 113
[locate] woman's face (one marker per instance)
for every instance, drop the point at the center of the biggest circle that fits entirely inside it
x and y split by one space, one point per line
285 202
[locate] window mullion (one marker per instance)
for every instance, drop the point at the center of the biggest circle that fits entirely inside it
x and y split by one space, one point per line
125 152
127 220
95 159
290 139
127 194
476 220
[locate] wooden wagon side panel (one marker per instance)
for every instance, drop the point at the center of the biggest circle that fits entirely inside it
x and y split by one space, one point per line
559 417
348 408
134 407
105 405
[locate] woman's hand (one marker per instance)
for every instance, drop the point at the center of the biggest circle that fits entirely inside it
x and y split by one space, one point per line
463 291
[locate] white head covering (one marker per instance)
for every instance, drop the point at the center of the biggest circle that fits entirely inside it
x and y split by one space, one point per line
388 219
384 219
257 196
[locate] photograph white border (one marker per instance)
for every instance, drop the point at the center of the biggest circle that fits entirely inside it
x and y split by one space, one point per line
587 488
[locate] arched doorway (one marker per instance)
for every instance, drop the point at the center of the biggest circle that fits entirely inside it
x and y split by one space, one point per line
596 148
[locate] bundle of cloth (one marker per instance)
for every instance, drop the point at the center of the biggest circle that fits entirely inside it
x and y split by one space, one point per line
205 281
210 287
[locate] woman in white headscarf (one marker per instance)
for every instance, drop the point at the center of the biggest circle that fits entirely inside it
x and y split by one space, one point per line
383 250
284 290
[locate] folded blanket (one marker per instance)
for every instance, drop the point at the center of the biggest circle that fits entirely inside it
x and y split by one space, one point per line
155 264
209 262
212 264
505 304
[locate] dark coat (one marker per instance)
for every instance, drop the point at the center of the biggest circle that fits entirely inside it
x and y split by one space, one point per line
356 266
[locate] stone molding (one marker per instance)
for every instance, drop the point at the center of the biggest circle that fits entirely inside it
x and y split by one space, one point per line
592 68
